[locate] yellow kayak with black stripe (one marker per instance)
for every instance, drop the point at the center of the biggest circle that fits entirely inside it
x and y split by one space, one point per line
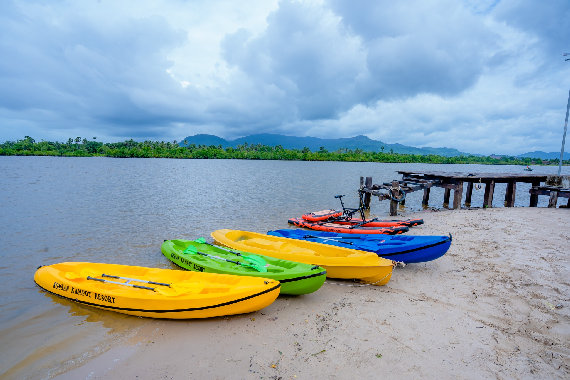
155 292
339 262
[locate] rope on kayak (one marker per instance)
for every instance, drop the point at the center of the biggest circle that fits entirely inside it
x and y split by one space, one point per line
479 185
397 189
476 185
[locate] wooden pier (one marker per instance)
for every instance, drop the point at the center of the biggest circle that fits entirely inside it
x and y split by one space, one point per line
414 181
552 192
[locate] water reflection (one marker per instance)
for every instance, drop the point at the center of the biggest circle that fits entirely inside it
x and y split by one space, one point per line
59 335
114 322
120 210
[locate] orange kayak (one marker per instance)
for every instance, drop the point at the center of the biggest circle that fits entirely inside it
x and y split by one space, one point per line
335 216
346 228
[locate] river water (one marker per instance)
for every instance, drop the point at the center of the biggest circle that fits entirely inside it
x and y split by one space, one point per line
120 210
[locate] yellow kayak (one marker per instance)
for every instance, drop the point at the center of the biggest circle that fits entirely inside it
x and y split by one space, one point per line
156 293
338 261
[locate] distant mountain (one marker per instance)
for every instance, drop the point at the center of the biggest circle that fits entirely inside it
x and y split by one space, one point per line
544 155
203 139
315 143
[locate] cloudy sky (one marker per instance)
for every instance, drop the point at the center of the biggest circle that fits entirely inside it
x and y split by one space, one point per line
482 76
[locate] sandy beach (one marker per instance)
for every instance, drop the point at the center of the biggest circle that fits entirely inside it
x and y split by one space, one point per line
497 305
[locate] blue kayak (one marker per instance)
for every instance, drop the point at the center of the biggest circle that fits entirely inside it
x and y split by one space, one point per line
404 248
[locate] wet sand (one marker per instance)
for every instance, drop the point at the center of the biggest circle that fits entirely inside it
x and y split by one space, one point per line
497 305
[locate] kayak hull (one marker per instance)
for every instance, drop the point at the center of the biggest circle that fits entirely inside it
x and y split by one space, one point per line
335 216
339 262
401 248
173 294
319 216
295 278
374 275
348 229
381 223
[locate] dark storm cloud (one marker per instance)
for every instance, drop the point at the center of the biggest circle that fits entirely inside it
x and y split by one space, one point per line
90 72
468 74
326 61
306 55
549 21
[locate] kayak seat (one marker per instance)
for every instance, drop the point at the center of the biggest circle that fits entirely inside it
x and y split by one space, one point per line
403 238
284 264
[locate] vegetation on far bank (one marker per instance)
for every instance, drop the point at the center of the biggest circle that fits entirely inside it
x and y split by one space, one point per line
79 147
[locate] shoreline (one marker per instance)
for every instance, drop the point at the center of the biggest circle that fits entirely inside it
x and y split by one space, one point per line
270 153
496 305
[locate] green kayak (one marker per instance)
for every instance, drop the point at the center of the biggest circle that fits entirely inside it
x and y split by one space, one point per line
200 256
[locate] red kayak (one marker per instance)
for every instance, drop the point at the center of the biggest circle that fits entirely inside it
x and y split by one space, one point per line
334 216
381 223
322 215
347 229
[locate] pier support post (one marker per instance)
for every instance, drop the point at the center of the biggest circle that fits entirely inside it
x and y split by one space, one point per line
510 194
393 208
469 194
488 197
425 200
553 198
457 194
396 193
446 194
534 196
368 185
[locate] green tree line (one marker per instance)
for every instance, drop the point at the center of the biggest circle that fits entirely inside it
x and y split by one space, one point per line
82 147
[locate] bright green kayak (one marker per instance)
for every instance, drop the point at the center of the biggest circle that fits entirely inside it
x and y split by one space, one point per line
197 255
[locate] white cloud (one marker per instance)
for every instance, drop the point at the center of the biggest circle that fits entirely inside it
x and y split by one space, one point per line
479 76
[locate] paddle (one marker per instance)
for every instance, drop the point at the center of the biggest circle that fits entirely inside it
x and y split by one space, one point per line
254 262
74 277
364 222
135 279
122 283
247 257
163 288
250 258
